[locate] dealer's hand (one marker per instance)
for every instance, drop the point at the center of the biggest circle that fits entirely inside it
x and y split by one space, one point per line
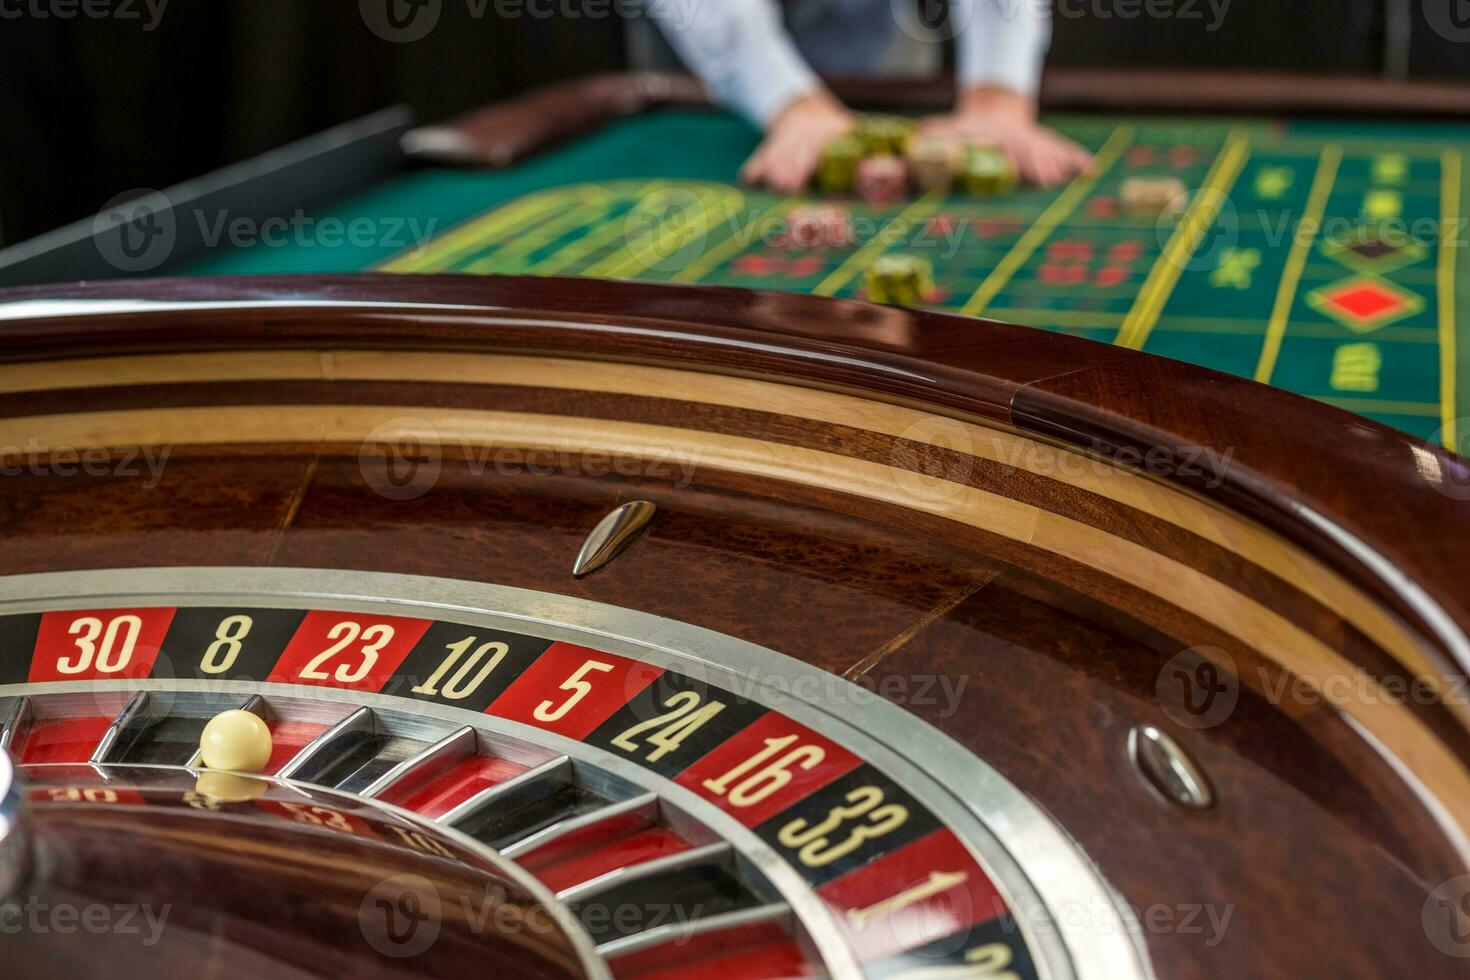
1007 120
795 139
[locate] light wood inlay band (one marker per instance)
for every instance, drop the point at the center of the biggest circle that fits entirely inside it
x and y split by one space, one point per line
1185 511
1410 746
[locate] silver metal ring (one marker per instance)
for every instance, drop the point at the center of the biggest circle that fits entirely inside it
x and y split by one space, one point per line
15 856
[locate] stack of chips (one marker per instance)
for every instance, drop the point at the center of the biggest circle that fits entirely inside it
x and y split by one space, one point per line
820 225
987 171
935 163
838 167
880 158
1154 197
882 180
901 280
885 134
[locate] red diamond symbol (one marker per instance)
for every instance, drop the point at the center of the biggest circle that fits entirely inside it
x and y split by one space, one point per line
1364 304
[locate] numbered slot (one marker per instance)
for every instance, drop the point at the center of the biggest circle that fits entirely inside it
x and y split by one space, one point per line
620 837
367 752
538 804
59 728
164 730
670 898
760 948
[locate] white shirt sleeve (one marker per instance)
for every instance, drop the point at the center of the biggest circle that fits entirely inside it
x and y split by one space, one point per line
740 49
1001 42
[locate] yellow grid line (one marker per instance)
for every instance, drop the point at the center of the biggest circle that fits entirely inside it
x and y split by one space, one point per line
1186 239
614 265
598 236
1296 261
1060 210
728 248
1449 228
441 252
512 256
860 259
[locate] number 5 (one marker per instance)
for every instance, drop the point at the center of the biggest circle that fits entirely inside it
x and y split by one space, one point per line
547 711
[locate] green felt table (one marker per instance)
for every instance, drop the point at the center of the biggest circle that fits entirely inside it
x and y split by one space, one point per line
1323 257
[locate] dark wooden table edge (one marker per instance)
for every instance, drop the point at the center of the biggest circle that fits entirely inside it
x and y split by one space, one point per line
1347 490
506 133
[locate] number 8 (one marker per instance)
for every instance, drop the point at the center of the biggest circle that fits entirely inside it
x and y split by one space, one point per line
227 637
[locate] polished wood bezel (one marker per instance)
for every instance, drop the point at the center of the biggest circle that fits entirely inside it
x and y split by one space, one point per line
1300 540
1382 508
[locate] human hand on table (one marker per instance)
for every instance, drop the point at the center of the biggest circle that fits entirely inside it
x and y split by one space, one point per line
795 139
1007 120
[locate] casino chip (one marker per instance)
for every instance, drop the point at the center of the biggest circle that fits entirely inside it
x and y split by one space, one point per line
883 135
988 171
1154 197
882 180
935 163
899 280
820 225
837 169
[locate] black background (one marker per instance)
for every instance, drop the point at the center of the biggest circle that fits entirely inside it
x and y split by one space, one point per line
91 108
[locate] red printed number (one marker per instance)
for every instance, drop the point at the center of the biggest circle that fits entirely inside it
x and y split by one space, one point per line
334 649
99 644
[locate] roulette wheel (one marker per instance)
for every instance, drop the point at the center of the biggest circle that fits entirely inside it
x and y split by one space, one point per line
619 629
